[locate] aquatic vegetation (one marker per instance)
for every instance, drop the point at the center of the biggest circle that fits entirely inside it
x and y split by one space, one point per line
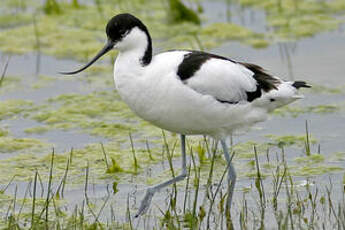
245 150
51 7
178 13
317 89
114 168
3 132
43 81
315 169
222 32
292 20
287 140
24 165
295 111
302 26
99 113
10 144
15 107
87 34
37 129
313 158
10 20
338 156
10 83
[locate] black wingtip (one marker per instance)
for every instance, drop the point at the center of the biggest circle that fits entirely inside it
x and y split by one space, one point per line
300 84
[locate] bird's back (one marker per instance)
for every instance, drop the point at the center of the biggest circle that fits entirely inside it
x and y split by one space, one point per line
193 92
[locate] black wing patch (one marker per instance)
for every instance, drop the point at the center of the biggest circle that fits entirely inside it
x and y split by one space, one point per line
251 96
264 80
193 61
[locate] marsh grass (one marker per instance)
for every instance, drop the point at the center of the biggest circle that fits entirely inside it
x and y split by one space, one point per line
200 203
307 142
4 71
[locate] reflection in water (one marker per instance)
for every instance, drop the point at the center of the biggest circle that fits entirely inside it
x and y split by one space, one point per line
285 51
228 10
37 46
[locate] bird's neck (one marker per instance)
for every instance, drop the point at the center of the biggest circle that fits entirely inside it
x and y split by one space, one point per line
135 49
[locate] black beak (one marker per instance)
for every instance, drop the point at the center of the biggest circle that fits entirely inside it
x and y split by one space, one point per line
105 50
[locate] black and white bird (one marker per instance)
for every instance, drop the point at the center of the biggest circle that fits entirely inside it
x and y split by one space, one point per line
190 92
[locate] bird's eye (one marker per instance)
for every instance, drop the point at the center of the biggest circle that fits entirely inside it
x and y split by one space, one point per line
272 99
122 31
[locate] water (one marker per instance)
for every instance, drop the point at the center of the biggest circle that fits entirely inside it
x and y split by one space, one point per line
318 60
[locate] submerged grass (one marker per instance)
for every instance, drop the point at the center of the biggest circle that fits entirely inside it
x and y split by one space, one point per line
307 204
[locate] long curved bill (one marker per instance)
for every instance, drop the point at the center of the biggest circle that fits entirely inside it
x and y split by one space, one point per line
108 46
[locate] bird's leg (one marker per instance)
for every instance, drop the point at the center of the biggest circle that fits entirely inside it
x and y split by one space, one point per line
231 174
145 203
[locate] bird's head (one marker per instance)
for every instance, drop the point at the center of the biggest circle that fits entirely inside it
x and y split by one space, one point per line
283 95
124 32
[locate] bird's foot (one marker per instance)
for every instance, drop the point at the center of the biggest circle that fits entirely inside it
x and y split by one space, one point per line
145 203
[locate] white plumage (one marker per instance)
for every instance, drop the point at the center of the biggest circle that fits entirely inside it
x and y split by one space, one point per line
156 94
190 92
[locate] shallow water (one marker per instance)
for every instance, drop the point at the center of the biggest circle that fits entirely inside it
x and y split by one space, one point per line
318 60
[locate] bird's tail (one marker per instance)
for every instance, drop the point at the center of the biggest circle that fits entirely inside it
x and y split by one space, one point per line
300 84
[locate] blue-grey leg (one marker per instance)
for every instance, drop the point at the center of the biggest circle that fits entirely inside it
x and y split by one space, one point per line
145 203
231 173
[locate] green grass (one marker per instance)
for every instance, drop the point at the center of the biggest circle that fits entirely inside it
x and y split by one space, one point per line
195 203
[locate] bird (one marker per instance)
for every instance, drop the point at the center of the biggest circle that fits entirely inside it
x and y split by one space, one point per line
190 92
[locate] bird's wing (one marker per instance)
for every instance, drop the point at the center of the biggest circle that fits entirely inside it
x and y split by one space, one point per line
224 79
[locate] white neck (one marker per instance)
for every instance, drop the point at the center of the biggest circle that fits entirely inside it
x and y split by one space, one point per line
132 49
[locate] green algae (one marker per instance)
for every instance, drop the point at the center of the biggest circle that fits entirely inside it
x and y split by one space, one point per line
68 24
114 167
288 140
313 158
37 129
222 32
10 20
99 113
315 169
10 83
245 150
295 111
43 81
52 36
10 144
318 89
302 26
11 108
58 30
3 132
338 156
22 165
292 20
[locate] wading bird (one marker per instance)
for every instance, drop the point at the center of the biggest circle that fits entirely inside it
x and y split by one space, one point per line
190 92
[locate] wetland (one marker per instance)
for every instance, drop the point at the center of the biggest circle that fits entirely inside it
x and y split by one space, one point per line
73 155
